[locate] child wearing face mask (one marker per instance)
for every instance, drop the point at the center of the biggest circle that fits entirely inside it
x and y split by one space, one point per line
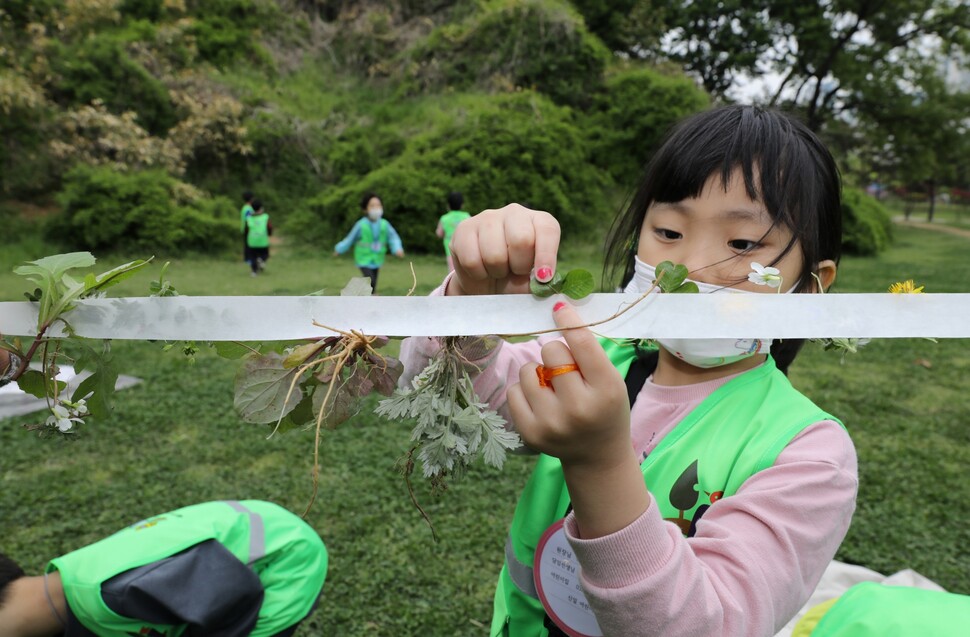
685 489
372 236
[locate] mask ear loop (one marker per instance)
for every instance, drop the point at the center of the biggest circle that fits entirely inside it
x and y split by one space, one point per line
50 602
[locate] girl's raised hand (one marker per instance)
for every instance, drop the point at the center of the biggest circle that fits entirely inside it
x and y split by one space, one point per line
496 251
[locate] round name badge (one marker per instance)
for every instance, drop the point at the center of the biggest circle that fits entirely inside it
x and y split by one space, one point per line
556 572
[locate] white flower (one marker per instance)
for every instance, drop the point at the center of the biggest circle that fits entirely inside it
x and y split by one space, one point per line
62 418
765 275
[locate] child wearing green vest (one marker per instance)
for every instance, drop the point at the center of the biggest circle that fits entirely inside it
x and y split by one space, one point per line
683 487
216 569
244 212
372 237
449 221
877 610
257 232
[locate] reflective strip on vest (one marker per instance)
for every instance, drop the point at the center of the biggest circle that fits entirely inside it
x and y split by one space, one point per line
519 572
257 534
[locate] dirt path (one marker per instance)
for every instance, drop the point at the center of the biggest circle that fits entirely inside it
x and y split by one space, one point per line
960 232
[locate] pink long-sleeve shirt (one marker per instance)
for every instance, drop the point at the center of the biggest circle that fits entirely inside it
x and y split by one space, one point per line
756 556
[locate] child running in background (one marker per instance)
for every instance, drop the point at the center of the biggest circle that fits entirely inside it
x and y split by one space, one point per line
244 212
371 237
449 221
697 490
257 232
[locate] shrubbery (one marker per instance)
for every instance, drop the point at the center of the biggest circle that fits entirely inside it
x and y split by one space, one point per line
538 44
867 227
517 148
147 211
632 114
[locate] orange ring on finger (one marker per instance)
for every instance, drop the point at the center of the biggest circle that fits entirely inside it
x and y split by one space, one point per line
546 374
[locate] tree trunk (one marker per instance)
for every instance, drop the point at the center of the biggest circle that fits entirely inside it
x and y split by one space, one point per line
932 193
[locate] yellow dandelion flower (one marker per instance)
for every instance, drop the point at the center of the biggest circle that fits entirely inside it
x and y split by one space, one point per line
905 287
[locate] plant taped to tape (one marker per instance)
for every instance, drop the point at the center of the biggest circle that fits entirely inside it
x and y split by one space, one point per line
56 292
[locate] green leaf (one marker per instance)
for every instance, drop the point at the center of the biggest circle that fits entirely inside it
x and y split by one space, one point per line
34 383
261 388
578 284
339 406
101 383
687 287
543 290
670 276
112 277
301 354
357 286
56 265
233 350
162 287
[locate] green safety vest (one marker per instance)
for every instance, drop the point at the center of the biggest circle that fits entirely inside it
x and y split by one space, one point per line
449 222
875 610
732 434
367 251
246 211
274 542
258 235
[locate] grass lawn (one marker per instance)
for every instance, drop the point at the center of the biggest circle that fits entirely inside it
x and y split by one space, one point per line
950 214
175 440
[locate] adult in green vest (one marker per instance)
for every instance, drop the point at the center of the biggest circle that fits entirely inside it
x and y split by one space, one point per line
257 232
714 504
217 569
449 221
244 212
876 610
371 237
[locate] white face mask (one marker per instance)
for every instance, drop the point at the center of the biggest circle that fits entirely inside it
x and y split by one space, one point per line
375 213
700 352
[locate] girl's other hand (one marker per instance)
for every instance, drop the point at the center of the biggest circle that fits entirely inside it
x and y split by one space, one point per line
496 251
584 418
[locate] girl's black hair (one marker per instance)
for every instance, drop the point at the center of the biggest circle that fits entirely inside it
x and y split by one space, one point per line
785 167
257 205
247 196
10 572
367 198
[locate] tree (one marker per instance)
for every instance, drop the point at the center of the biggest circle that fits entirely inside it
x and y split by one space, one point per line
925 134
825 51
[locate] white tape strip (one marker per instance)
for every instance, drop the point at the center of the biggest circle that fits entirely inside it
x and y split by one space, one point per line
261 318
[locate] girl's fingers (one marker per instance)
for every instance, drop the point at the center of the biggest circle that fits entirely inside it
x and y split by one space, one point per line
541 399
546 231
521 412
557 357
493 248
467 258
520 239
593 362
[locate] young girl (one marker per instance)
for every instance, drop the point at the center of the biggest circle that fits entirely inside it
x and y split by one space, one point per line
371 237
699 493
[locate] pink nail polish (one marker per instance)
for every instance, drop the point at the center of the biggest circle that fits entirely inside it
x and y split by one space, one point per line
558 306
543 274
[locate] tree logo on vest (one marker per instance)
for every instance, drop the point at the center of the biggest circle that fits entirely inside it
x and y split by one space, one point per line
684 496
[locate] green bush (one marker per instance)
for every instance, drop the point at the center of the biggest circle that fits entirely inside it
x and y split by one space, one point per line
516 148
25 130
100 67
148 211
867 227
362 150
632 114
225 30
539 44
